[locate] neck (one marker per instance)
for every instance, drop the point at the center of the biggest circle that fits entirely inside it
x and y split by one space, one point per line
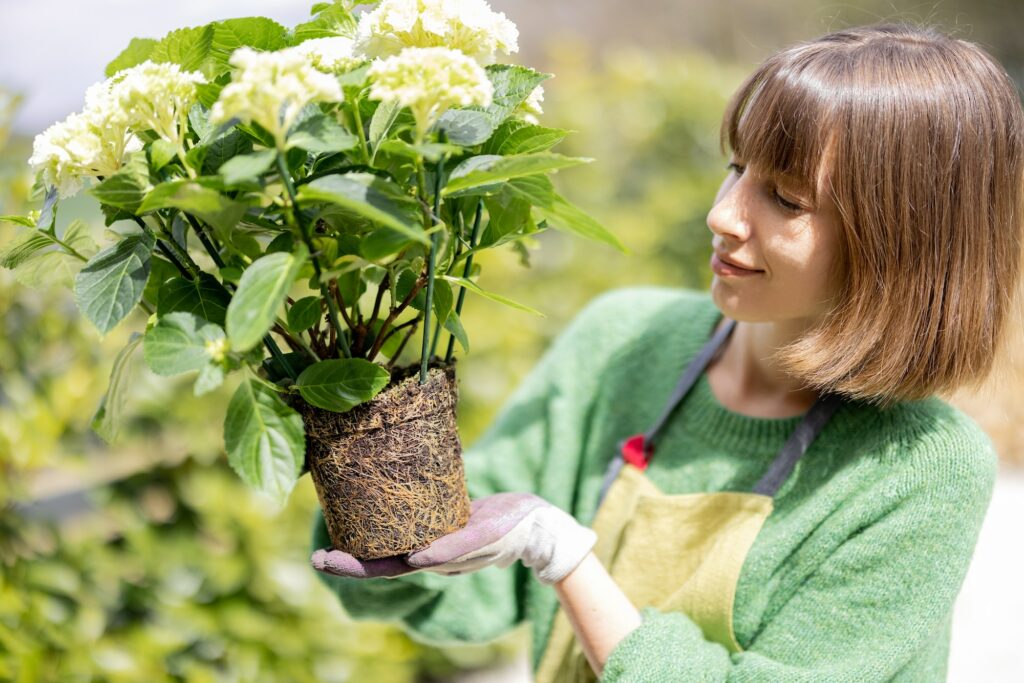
754 379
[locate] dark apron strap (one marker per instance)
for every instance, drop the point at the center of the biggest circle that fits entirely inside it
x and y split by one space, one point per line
639 448
798 443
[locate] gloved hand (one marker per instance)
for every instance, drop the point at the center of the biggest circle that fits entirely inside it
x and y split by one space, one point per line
502 528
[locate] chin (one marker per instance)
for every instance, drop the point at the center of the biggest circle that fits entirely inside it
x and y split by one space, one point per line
735 304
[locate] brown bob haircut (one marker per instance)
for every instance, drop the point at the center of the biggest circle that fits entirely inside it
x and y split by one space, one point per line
921 139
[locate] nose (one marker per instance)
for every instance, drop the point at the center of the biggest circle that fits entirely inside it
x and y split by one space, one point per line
730 213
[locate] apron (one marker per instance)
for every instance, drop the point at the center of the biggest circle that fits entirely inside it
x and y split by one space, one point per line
677 552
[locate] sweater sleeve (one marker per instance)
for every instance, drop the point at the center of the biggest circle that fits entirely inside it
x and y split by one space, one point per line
874 607
483 605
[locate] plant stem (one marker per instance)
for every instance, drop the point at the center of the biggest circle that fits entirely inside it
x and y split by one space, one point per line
426 350
465 271
417 286
211 249
268 341
401 346
359 131
332 306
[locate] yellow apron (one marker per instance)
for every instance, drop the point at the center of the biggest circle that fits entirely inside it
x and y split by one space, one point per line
677 552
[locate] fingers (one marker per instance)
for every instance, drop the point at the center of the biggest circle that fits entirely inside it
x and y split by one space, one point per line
340 563
486 534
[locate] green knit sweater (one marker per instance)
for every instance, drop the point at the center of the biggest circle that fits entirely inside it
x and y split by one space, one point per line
853 576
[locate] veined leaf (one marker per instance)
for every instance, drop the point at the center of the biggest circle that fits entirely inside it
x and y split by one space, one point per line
341 384
471 174
260 33
178 343
193 198
264 439
475 288
204 296
138 51
126 188
111 283
321 134
35 264
186 47
261 292
247 167
304 314
371 196
470 126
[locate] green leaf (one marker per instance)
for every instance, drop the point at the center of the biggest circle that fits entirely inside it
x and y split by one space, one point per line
107 420
371 196
341 384
160 271
473 172
178 343
321 134
507 214
264 440
187 47
36 267
557 211
111 283
19 220
443 300
260 33
261 292
204 296
454 325
126 188
431 151
138 51
466 127
247 167
381 243
161 153
304 314
221 149
519 137
384 116
210 377
512 84
331 19
475 288
191 197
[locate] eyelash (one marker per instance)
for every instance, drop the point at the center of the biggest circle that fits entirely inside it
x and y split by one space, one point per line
788 206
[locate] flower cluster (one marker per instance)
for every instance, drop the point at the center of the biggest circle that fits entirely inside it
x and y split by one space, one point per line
331 55
530 109
157 97
271 88
93 143
430 80
469 26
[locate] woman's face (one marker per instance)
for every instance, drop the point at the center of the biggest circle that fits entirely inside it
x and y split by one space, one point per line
788 246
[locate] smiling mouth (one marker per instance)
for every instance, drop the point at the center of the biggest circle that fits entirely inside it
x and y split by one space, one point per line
722 267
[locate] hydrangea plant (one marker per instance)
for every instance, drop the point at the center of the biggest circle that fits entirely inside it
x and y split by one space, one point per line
268 190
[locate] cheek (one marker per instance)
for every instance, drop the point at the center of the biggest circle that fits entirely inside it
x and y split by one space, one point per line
802 259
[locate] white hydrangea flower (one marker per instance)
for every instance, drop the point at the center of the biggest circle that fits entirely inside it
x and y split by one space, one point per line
157 97
91 144
271 88
430 80
466 25
331 55
530 109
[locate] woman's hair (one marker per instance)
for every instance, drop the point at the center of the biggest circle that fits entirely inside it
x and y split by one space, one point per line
920 137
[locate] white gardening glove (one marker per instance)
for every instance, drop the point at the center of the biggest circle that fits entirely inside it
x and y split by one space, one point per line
506 527
502 528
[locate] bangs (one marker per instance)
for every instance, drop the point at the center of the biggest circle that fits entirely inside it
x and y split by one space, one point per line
780 121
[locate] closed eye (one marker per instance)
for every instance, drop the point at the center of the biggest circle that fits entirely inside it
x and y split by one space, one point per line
779 199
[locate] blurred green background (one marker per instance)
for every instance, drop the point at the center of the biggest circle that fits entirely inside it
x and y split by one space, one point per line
149 560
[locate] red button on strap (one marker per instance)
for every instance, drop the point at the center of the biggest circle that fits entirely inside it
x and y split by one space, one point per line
633 452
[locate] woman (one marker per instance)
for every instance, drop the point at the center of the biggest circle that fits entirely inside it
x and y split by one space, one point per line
788 499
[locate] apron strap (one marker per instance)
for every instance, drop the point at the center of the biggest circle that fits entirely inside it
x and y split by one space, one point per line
686 382
798 443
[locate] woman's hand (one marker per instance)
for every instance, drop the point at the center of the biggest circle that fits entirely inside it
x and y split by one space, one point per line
502 528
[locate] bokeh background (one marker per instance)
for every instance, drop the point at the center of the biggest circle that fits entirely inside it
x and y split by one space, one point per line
149 560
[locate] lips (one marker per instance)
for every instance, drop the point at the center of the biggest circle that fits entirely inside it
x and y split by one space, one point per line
733 263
